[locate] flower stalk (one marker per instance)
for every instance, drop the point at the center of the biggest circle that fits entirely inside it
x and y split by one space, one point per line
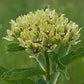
47 66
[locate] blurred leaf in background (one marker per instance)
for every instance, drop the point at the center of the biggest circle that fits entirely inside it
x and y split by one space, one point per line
11 9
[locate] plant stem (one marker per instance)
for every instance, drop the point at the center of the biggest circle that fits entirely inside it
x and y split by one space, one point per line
47 66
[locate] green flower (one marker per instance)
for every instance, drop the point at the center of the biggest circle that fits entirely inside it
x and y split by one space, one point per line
43 30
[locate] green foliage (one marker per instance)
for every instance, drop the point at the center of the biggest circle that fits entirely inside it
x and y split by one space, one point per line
14 46
21 73
13 80
60 56
66 58
62 51
41 61
20 81
25 81
41 81
72 56
54 78
59 66
2 70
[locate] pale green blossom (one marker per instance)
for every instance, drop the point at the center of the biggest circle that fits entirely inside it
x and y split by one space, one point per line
43 30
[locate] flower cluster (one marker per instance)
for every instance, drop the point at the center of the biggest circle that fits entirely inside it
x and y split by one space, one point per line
43 30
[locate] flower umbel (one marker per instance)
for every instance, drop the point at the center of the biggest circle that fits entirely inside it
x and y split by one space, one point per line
43 30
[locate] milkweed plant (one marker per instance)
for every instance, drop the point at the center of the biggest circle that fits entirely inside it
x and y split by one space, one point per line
47 38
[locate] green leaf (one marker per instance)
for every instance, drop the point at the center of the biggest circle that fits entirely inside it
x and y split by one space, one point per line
60 67
53 67
19 48
14 46
20 81
25 81
41 61
21 73
54 78
55 58
2 70
11 82
72 55
62 51
41 81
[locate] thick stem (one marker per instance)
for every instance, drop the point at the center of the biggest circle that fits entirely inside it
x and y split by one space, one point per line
47 66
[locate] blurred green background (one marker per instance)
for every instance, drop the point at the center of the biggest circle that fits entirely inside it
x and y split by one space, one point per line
11 9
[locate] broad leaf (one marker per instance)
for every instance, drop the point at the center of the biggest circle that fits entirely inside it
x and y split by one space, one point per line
53 66
60 67
41 61
13 44
41 81
20 81
62 51
55 58
11 81
2 70
25 81
72 55
14 47
54 78
21 73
